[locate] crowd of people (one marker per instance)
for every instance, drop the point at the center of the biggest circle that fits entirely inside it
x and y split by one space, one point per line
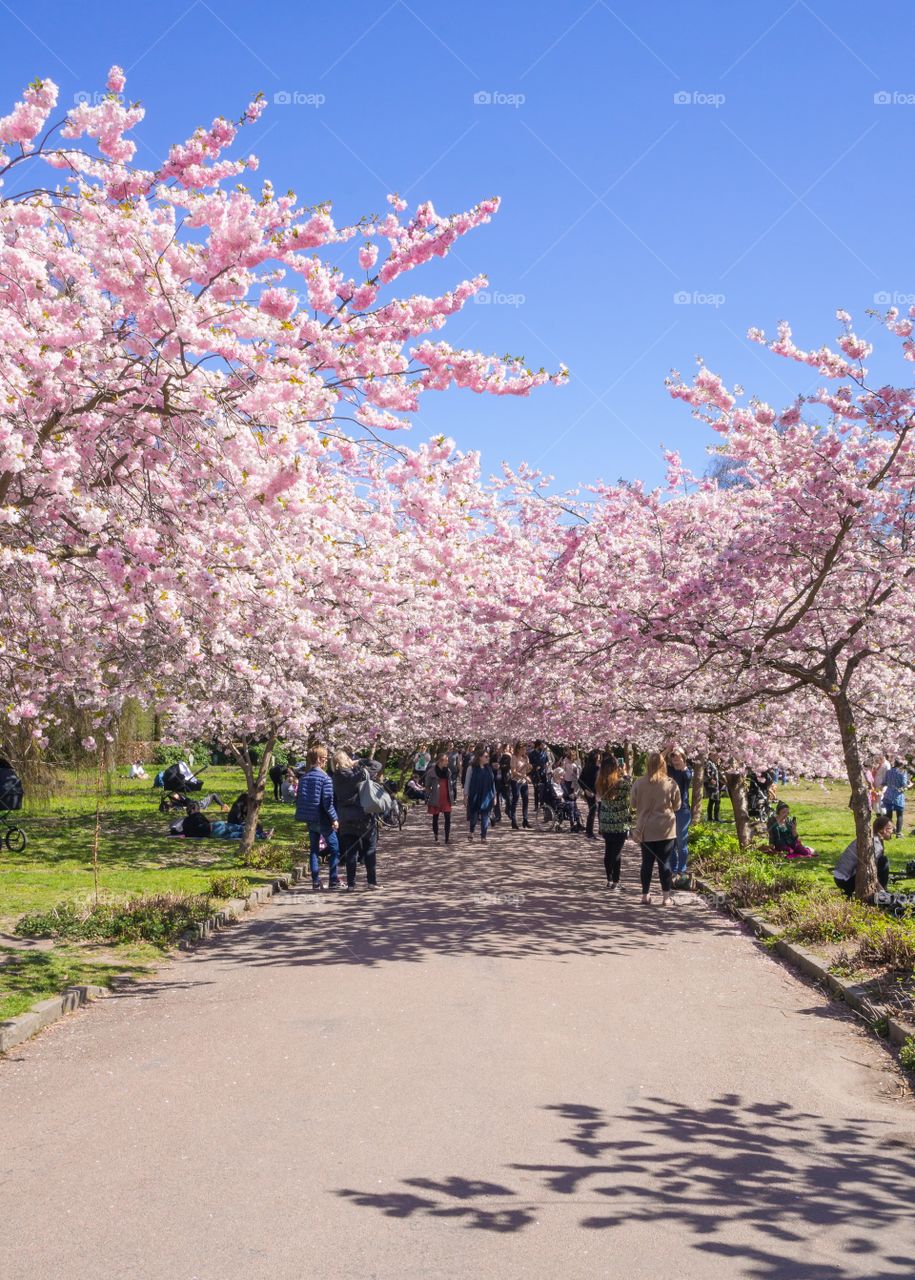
504 782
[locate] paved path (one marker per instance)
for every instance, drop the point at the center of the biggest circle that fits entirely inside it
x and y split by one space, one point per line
486 1070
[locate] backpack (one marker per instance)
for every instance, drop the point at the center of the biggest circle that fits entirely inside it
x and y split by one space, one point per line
376 799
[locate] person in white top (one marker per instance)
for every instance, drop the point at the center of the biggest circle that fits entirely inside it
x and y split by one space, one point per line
571 769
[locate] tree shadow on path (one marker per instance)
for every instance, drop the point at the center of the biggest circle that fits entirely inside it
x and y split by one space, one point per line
524 894
782 1193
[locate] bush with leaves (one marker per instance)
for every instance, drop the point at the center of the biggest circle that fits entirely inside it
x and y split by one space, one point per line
228 886
156 918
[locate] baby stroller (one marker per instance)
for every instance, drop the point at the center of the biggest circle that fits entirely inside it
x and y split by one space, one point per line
558 807
11 794
759 807
178 777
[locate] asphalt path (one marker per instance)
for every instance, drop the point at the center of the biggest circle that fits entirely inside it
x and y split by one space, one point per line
490 1068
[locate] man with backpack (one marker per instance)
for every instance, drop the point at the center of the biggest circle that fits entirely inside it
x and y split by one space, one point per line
358 825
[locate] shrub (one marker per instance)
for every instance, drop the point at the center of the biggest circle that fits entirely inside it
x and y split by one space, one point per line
755 879
164 755
712 850
887 943
819 916
229 887
907 1053
156 918
268 857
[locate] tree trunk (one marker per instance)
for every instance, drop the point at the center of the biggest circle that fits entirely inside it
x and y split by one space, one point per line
698 790
256 785
629 756
866 882
737 790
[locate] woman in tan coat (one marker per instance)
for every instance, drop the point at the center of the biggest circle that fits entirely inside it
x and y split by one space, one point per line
656 799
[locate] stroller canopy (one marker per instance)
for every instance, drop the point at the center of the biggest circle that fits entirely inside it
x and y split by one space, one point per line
11 792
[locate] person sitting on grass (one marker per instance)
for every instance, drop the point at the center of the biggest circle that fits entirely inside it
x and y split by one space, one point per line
783 834
846 869
195 825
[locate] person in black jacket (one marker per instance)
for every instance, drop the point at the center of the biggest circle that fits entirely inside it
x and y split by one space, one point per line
358 832
195 824
276 773
587 780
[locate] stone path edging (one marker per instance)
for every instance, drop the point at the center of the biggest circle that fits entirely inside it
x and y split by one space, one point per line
25 1025
854 994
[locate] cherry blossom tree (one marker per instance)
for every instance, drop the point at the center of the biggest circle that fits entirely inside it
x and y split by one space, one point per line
180 355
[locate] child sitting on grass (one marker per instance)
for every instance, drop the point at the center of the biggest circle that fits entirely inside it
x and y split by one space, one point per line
783 835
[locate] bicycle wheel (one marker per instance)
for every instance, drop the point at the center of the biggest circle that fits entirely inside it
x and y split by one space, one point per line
16 839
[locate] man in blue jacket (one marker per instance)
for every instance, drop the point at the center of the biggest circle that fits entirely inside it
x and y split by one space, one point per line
314 804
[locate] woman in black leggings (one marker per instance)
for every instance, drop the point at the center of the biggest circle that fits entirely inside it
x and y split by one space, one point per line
656 799
438 794
612 791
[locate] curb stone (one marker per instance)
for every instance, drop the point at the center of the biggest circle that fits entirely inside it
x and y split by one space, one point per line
854 994
236 906
25 1025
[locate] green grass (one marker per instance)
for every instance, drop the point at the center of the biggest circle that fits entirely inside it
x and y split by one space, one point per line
136 856
29 976
826 824
800 895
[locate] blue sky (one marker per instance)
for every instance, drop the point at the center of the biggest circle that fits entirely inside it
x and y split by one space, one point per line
732 155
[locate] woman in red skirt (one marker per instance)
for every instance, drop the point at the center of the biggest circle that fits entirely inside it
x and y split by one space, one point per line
438 793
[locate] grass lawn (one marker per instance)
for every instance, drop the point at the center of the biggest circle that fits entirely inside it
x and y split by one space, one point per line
825 824
136 856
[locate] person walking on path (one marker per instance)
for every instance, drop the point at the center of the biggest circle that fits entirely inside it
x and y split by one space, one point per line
454 769
613 790
438 794
656 799
714 782
682 775
587 780
896 782
315 805
539 762
520 768
358 832
846 869
480 793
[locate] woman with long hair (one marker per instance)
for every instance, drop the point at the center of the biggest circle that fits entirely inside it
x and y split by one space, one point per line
656 799
520 769
613 790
